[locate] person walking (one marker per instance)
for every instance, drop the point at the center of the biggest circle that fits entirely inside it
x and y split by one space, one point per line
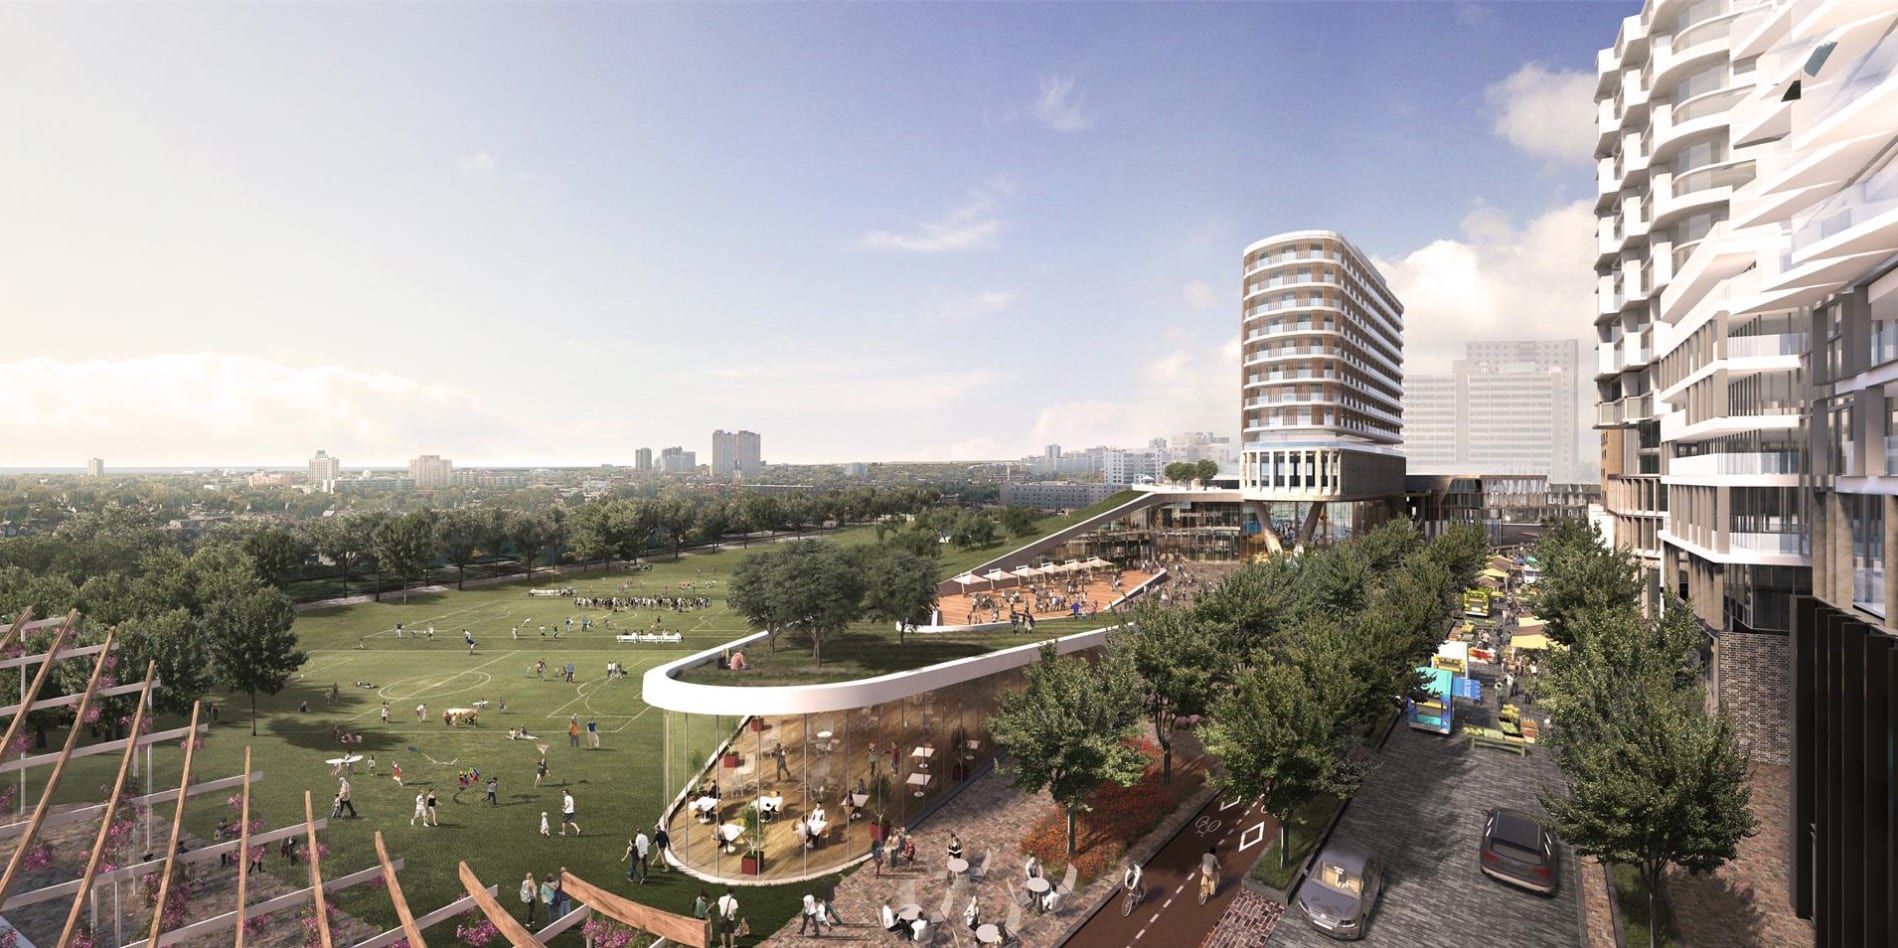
540 771
573 731
566 813
661 844
529 896
808 917
777 754
492 784
593 734
342 797
421 809
546 829
727 914
395 770
385 714
434 814
548 895
642 847
421 712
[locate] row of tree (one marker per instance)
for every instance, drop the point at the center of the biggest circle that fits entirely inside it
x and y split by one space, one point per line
1656 777
1289 663
1180 472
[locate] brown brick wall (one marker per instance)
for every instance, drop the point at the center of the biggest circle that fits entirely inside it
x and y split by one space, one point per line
1753 681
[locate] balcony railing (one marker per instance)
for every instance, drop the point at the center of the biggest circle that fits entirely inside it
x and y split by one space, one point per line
1731 174
1738 462
1784 544
1681 253
1713 29
1873 68
1853 206
1708 104
1760 347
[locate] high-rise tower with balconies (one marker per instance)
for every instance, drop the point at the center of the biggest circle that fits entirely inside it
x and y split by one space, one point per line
1322 366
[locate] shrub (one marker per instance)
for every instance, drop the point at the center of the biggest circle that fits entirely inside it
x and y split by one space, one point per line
1113 818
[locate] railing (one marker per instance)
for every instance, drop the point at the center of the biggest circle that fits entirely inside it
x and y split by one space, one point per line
1708 104
1874 67
1853 206
1701 32
1785 544
1738 462
1761 347
1681 253
1730 174
1884 343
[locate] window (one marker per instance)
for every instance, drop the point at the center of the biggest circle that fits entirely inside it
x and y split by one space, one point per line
1867 517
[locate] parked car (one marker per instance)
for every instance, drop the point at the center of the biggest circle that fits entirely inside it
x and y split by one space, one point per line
1338 896
1518 851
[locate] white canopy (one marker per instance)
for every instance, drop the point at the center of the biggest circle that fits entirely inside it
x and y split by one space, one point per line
1095 562
965 579
1023 571
1072 566
1046 569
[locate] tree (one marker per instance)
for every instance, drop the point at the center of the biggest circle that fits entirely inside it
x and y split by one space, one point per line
1067 731
1179 472
973 530
251 645
532 534
404 546
899 585
675 514
761 512
713 521
1580 575
1665 784
1020 521
811 586
279 553
346 539
1179 661
592 532
1276 738
1205 470
176 641
458 533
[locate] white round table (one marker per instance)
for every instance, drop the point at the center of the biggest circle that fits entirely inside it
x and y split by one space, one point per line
910 913
1039 887
988 934
958 866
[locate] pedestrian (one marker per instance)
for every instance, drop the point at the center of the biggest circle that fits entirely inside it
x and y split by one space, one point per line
421 712
372 765
546 829
876 856
808 917
214 712
528 896
421 808
662 845
342 797
777 754
727 915
395 770
434 813
492 801
540 771
642 848
593 734
567 813
573 732
560 892
702 905
547 896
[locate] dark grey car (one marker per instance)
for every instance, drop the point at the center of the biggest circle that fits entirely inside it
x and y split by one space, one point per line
1517 850
1338 896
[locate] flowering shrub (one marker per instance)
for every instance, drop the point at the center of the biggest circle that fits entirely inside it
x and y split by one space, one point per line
256 925
477 933
39 857
11 939
312 935
1112 818
378 883
607 933
82 938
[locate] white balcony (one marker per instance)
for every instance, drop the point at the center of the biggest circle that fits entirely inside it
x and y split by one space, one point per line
1780 544
1766 347
1859 207
1748 463
1607 358
1635 349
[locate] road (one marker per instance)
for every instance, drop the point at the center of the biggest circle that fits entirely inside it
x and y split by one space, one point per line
1171 914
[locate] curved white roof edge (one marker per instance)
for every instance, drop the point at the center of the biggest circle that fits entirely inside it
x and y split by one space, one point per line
1294 235
661 690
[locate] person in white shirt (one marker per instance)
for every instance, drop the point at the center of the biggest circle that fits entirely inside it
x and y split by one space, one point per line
809 918
727 914
972 916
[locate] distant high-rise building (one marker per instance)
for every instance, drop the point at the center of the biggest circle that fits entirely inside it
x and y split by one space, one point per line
1508 408
737 454
642 459
1321 397
325 471
95 467
431 472
677 460
1051 459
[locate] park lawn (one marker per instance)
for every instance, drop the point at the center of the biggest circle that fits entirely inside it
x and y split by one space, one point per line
955 562
870 649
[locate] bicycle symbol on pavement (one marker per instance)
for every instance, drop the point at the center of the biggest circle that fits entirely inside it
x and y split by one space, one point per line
1206 825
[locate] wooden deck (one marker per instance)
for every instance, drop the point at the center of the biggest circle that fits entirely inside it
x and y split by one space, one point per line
956 608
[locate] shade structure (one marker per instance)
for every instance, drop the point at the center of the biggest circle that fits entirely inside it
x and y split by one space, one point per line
1023 572
1047 569
965 579
1534 642
1095 562
1495 574
995 574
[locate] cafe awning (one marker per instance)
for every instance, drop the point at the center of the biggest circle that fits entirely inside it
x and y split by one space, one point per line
1495 574
1534 642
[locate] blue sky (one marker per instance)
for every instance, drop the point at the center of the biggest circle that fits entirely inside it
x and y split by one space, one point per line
524 233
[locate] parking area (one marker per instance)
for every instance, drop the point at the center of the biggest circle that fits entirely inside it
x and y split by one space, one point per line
1421 810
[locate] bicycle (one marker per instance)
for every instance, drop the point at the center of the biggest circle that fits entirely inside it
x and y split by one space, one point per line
1208 884
1135 896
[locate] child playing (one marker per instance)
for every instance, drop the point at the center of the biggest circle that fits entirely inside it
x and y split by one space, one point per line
546 829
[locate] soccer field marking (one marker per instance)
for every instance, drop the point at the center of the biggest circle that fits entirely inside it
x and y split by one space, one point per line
408 627
487 679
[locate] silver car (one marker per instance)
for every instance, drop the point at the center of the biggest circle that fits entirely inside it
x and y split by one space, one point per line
1338 896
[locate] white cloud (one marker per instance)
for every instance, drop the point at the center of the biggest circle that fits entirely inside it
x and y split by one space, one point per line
1199 295
204 408
1058 106
1550 115
1498 282
1191 388
475 165
994 300
971 225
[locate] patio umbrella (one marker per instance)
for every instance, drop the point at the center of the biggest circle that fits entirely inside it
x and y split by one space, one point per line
1024 572
1047 569
994 574
966 579
1095 562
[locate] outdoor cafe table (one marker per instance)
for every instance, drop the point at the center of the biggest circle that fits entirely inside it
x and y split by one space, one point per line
703 807
919 781
730 833
817 828
988 934
1039 887
769 805
958 866
922 754
910 912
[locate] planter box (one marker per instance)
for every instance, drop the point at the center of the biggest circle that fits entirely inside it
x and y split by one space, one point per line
733 760
757 724
752 864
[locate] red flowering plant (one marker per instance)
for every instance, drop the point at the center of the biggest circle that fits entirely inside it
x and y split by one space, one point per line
39 857
476 931
1113 818
256 925
607 933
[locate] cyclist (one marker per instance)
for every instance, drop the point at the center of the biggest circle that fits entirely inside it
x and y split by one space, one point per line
1130 881
1208 874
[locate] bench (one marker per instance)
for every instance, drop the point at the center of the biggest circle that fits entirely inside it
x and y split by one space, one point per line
1499 741
648 638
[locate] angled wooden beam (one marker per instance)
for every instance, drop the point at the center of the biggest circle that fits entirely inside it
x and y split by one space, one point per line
85 814
460 906
13 631
515 933
395 895
93 750
243 854
111 810
14 864
288 902
33 690
137 871
677 929
316 875
178 819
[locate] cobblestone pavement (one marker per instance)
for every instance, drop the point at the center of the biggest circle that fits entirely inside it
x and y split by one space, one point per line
1599 925
1421 809
1745 903
1248 922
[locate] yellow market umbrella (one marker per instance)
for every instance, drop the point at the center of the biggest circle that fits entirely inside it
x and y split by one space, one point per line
1535 642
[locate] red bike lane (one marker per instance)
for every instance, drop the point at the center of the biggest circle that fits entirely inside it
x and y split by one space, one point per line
1171 916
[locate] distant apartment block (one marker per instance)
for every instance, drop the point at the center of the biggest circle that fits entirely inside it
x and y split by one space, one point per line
1321 392
325 471
95 467
642 460
491 479
737 455
856 469
1202 446
1057 495
1506 408
270 479
677 460
431 472
373 481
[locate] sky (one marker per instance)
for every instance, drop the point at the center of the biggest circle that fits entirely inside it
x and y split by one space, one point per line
555 233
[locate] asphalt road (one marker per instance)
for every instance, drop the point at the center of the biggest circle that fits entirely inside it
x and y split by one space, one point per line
1171 914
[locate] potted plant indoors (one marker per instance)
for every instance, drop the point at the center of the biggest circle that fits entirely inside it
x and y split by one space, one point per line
753 863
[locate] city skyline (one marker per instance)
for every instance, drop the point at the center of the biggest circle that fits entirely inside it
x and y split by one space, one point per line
935 240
